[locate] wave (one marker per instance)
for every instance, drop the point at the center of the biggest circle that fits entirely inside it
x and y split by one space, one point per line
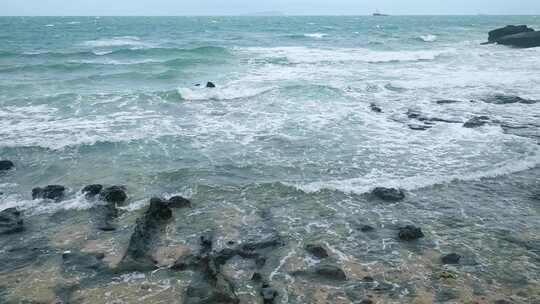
230 92
117 41
428 38
316 35
343 55
365 185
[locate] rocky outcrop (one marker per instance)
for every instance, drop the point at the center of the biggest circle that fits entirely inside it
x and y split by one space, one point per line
507 99
147 232
476 122
6 165
52 192
317 251
499 33
519 36
114 194
92 190
388 194
410 233
210 85
375 108
179 202
10 221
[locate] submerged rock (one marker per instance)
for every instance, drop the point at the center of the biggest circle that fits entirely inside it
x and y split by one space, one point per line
452 258
507 99
496 34
388 194
331 272
317 250
410 233
6 165
268 294
210 85
10 221
446 101
418 127
375 108
92 190
366 228
53 192
476 122
114 194
179 202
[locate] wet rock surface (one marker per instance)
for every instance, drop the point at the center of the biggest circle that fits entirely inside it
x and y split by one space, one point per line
410 233
375 108
496 34
11 221
476 122
114 194
6 165
179 202
317 251
52 192
452 258
92 190
507 99
210 85
388 194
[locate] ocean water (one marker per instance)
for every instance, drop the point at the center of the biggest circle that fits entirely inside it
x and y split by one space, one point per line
287 130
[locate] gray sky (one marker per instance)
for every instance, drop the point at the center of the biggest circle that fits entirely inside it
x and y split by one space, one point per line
239 7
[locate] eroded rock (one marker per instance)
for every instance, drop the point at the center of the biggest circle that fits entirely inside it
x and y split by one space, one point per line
92 190
114 194
11 221
52 192
388 194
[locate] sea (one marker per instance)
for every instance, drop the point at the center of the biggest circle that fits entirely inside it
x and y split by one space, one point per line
308 115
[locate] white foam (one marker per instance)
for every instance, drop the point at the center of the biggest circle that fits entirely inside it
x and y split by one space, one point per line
117 41
429 38
316 35
228 92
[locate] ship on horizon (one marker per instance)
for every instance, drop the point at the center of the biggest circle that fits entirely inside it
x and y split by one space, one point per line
379 14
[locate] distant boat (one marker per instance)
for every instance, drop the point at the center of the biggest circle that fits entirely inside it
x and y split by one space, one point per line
378 14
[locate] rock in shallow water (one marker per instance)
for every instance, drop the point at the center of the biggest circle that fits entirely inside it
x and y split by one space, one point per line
330 272
210 85
53 192
507 99
375 108
476 122
317 250
6 165
179 202
10 221
92 190
410 233
496 34
268 294
114 194
452 258
388 194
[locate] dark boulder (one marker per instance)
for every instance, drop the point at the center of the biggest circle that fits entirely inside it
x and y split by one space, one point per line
499 33
114 194
476 122
92 190
268 294
6 165
210 85
317 251
331 272
410 233
179 202
256 277
10 221
523 40
366 228
507 99
375 108
388 194
52 192
452 258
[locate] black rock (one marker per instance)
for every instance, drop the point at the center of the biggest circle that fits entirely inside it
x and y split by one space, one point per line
410 233
367 301
451 258
413 114
272 241
10 221
6 165
522 40
495 35
507 99
375 108
268 294
179 202
418 127
476 122
317 250
447 101
388 194
114 194
92 190
53 192
260 262
210 85
330 272
256 277
159 210
366 228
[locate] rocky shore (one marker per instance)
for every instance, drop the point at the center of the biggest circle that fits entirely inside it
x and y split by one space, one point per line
387 246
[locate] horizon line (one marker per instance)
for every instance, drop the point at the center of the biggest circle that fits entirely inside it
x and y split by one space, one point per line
275 15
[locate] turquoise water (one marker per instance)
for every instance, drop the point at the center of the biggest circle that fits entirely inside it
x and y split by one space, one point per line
288 128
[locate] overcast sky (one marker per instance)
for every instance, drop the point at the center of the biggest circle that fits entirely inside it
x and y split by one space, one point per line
240 7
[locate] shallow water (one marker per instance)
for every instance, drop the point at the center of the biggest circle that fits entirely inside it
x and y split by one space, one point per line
286 141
